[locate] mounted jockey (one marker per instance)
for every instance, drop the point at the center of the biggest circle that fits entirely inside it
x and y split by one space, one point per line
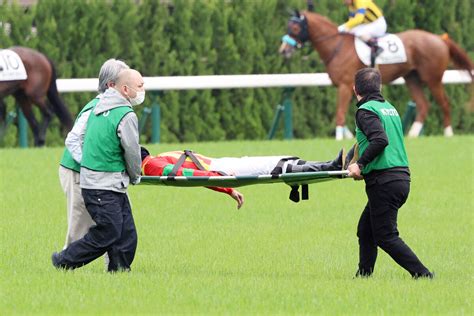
367 22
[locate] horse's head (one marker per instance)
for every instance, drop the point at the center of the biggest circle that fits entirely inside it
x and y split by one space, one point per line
296 35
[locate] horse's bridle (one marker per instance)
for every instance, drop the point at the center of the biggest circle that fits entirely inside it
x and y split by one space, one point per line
303 36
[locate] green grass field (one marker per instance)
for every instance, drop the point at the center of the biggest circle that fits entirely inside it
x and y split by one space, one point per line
198 254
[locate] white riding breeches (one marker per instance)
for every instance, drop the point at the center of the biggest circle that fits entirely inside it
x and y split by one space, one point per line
377 28
253 166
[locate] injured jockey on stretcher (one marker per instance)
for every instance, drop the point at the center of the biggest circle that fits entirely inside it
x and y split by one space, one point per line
188 163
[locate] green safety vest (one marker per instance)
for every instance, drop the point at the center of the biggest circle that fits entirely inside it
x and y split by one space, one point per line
102 150
67 161
394 155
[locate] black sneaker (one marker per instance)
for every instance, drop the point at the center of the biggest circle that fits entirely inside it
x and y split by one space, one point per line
429 275
56 259
362 274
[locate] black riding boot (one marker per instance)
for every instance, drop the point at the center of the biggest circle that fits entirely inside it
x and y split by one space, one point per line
375 50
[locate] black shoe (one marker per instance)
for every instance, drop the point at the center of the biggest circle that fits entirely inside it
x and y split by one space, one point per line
362 274
429 275
56 259
119 270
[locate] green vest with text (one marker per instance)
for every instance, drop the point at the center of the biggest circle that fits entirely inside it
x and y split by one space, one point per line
102 150
67 161
394 155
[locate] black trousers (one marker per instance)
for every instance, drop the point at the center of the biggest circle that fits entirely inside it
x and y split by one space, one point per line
378 228
113 233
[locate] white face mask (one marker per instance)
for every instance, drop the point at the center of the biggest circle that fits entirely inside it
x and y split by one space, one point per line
138 99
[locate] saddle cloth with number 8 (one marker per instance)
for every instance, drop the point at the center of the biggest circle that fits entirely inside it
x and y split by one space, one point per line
393 50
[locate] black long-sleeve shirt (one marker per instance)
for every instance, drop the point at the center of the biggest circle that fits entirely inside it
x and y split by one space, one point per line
369 123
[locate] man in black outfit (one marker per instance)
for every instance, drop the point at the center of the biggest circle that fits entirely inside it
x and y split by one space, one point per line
383 164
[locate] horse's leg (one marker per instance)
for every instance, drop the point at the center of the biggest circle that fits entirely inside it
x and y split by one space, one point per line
3 118
26 106
47 116
3 110
416 91
344 95
437 90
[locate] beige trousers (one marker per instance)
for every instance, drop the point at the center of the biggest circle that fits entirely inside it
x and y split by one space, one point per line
78 219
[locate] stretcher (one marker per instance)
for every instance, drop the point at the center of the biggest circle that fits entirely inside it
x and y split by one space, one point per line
294 180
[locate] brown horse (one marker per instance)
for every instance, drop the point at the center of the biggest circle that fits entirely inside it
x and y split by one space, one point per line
428 56
39 86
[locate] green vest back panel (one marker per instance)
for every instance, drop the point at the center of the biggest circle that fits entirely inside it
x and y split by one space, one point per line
102 149
394 155
67 161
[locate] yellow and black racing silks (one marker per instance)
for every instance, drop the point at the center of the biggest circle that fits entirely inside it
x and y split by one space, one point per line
361 12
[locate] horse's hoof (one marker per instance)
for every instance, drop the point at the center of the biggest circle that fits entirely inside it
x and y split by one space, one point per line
415 129
448 131
339 132
343 132
40 143
347 133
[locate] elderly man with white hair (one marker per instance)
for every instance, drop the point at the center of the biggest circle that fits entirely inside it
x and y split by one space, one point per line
110 161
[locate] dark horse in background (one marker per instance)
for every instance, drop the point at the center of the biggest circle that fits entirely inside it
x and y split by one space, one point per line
428 56
39 86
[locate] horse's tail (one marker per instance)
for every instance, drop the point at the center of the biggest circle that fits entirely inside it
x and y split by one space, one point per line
58 105
461 60
458 55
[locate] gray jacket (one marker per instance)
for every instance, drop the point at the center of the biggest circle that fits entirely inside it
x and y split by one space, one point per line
127 132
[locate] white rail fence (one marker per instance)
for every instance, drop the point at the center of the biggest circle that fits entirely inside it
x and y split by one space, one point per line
237 81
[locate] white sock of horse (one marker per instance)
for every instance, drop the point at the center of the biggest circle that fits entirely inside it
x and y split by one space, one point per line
347 133
448 131
415 129
339 132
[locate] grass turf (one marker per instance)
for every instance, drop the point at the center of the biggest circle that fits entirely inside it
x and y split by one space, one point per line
198 254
